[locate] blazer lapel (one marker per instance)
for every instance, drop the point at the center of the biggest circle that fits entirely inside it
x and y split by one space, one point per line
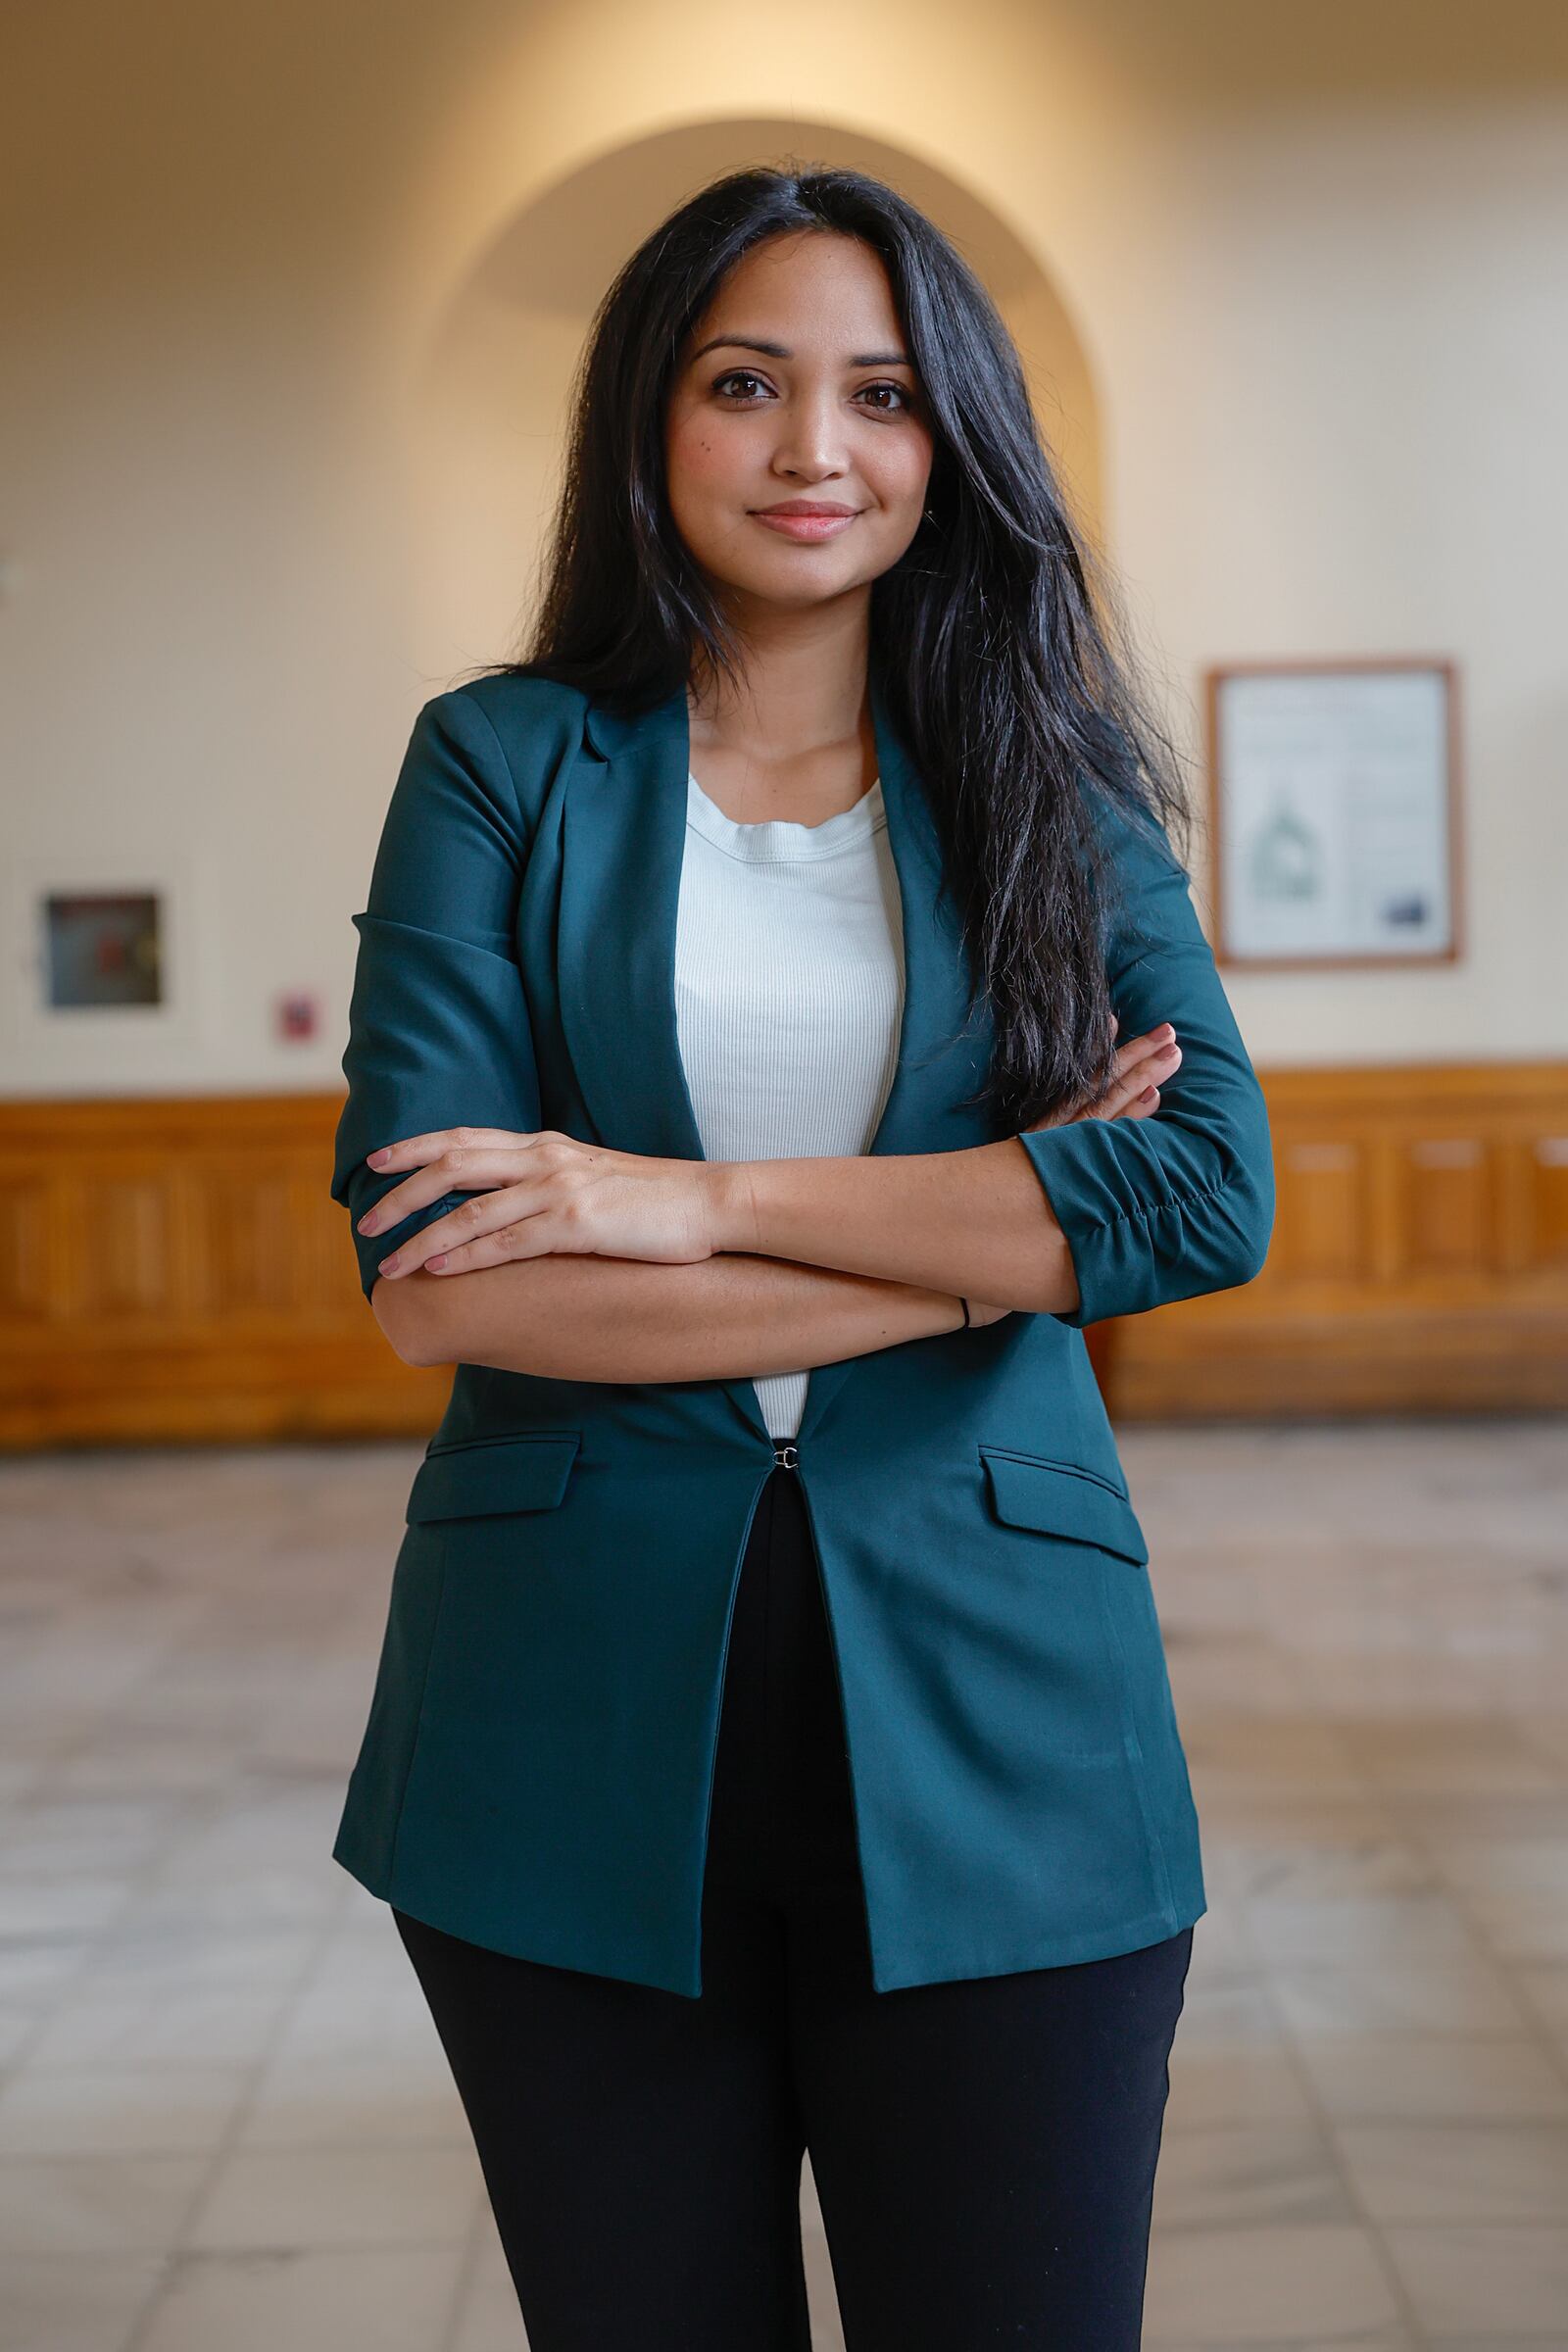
623 836
943 1048
622 843
622 840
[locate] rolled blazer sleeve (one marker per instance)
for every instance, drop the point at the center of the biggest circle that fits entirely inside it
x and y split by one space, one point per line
1182 1202
439 1023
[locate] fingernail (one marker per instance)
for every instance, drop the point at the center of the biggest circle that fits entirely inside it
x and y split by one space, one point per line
388 1265
377 1160
367 1221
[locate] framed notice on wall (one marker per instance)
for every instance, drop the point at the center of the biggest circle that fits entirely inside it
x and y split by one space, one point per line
113 953
1334 811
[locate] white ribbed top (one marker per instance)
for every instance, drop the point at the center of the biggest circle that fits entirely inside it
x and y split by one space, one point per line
789 994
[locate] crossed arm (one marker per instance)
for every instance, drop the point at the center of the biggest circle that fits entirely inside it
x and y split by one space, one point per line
730 1317
817 1261
804 1261
811 1261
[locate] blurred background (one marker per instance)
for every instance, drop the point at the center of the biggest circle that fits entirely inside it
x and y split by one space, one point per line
292 299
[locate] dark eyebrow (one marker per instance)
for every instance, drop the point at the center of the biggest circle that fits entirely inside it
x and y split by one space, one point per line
782 350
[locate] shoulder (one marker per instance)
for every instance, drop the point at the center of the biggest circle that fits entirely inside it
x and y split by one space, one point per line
1143 888
1129 839
528 718
1126 837
494 742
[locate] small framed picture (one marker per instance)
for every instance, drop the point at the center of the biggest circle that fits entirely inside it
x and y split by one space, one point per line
103 947
1335 809
107 948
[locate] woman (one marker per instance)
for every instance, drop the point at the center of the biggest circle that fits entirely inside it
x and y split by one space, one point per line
772 1745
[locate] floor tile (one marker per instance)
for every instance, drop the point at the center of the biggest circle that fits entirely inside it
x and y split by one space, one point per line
1426 1993
111 2110
390 2299
1488 2283
223 2099
1221 2174
75 2302
1269 2284
95 2204
1402 2077
1459 2172
264 2198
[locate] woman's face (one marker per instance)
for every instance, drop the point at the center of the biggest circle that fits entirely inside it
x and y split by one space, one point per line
794 391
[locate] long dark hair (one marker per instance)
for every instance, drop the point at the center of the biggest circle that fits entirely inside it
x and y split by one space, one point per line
985 638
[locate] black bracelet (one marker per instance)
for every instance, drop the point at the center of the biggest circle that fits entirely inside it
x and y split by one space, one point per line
965 1303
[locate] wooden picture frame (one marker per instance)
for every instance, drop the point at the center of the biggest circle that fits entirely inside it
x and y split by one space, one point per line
1334 811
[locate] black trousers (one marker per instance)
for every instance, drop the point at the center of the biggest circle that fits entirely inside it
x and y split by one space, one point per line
984 2150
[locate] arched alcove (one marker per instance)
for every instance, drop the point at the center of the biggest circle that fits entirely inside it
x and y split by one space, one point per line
491 400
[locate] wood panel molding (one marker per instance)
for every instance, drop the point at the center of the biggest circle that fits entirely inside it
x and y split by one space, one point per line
1419 1260
175 1270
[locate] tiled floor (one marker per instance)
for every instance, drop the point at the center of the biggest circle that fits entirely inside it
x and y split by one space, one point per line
225 2119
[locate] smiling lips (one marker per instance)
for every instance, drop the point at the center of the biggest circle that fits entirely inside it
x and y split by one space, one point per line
805 518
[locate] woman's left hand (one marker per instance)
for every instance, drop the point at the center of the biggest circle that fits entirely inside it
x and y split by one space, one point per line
538 1195
1141 1065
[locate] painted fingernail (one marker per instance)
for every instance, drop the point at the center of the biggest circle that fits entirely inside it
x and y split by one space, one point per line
431 1263
376 1159
388 1265
367 1222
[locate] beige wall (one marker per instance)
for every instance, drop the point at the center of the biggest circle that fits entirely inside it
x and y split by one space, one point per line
291 294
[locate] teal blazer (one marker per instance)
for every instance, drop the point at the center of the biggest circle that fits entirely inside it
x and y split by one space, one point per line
536 1769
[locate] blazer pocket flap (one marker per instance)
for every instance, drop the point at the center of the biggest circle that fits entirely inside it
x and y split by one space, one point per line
494 1475
1059 1501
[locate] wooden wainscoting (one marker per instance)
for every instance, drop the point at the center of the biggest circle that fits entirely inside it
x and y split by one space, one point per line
1419 1260
177 1270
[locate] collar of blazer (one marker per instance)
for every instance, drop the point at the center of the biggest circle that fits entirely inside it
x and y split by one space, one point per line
622 840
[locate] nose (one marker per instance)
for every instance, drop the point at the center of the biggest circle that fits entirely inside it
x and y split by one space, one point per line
810 442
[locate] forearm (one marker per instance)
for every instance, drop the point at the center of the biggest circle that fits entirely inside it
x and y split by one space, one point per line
972 1224
730 1316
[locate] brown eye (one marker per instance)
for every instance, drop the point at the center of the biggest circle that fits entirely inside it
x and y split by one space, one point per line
904 399
737 375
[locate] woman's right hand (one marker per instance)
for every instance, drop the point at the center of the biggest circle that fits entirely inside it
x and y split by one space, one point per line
1142 1064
